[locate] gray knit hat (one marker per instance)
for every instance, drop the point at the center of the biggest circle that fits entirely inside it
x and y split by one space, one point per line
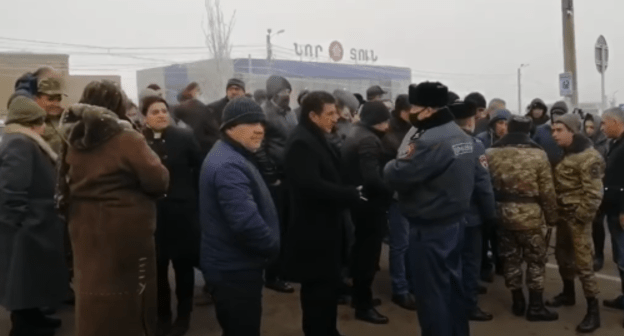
242 111
24 110
572 122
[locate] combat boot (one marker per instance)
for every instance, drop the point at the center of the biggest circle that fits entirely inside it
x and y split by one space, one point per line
591 322
519 302
537 311
566 298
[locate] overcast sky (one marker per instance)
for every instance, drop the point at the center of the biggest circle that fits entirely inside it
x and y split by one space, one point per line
470 45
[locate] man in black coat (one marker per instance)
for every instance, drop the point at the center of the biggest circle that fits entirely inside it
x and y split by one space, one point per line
201 119
280 122
613 202
362 161
315 246
177 226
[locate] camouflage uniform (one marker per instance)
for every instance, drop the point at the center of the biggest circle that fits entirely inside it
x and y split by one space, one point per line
578 182
525 197
51 134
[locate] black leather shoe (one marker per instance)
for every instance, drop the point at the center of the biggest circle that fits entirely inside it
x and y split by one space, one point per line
376 303
479 315
51 322
280 286
482 290
615 303
537 311
371 316
566 298
48 311
405 301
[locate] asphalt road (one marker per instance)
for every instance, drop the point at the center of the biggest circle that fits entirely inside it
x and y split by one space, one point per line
282 313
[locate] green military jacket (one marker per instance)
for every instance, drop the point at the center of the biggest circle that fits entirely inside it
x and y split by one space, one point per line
523 183
52 134
578 180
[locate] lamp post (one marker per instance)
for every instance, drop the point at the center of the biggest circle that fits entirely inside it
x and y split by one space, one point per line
520 87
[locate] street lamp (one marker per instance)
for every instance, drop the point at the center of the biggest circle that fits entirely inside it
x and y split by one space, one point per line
269 45
520 87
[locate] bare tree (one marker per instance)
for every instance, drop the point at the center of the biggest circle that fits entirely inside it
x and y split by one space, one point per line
218 31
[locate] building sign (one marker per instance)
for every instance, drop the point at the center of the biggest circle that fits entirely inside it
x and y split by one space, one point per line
336 52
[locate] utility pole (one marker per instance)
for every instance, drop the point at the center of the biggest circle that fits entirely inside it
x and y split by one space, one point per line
569 45
520 87
269 47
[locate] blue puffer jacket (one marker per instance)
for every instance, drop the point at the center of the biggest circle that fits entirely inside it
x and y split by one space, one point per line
543 137
239 223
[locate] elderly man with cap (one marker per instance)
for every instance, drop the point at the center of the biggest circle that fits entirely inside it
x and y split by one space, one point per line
613 204
578 183
434 175
362 161
526 200
482 211
375 93
543 134
49 97
240 228
280 122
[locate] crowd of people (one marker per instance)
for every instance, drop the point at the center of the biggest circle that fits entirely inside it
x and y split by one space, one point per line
99 199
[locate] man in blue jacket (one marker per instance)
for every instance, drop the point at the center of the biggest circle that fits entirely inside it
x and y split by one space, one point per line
239 222
434 175
482 211
543 134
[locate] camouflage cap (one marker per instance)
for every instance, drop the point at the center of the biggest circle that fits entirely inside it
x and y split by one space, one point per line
51 87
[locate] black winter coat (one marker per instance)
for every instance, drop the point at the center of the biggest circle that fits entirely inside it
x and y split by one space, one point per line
362 162
203 120
217 108
613 201
315 244
177 226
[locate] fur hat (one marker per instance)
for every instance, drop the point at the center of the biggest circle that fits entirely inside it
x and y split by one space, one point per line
428 94
477 99
452 97
463 110
519 124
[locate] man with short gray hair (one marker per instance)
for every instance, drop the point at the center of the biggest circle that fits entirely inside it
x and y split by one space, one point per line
613 204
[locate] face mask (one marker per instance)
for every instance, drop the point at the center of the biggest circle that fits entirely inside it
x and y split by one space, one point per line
413 118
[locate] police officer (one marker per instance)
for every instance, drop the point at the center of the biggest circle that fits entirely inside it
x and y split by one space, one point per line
525 195
434 175
578 182
482 210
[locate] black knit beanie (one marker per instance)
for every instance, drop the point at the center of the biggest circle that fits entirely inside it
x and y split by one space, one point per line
374 113
242 111
275 84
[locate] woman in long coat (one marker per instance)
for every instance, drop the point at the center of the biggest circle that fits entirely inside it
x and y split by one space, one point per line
33 272
109 180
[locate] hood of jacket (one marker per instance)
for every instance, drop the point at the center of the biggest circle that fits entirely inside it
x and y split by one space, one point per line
86 126
499 115
598 136
537 102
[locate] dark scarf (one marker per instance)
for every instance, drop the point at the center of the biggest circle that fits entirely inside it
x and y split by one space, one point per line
515 139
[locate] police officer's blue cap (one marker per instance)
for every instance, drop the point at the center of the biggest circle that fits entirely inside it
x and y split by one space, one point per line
428 94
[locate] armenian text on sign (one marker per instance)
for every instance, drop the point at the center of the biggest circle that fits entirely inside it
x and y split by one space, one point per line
336 52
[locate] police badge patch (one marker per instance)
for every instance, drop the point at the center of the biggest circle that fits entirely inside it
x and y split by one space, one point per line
484 162
462 148
407 152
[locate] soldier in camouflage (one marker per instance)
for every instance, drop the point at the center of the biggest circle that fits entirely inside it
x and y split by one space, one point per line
578 182
49 97
525 196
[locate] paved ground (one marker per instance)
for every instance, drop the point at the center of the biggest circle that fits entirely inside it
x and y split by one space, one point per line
282 314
